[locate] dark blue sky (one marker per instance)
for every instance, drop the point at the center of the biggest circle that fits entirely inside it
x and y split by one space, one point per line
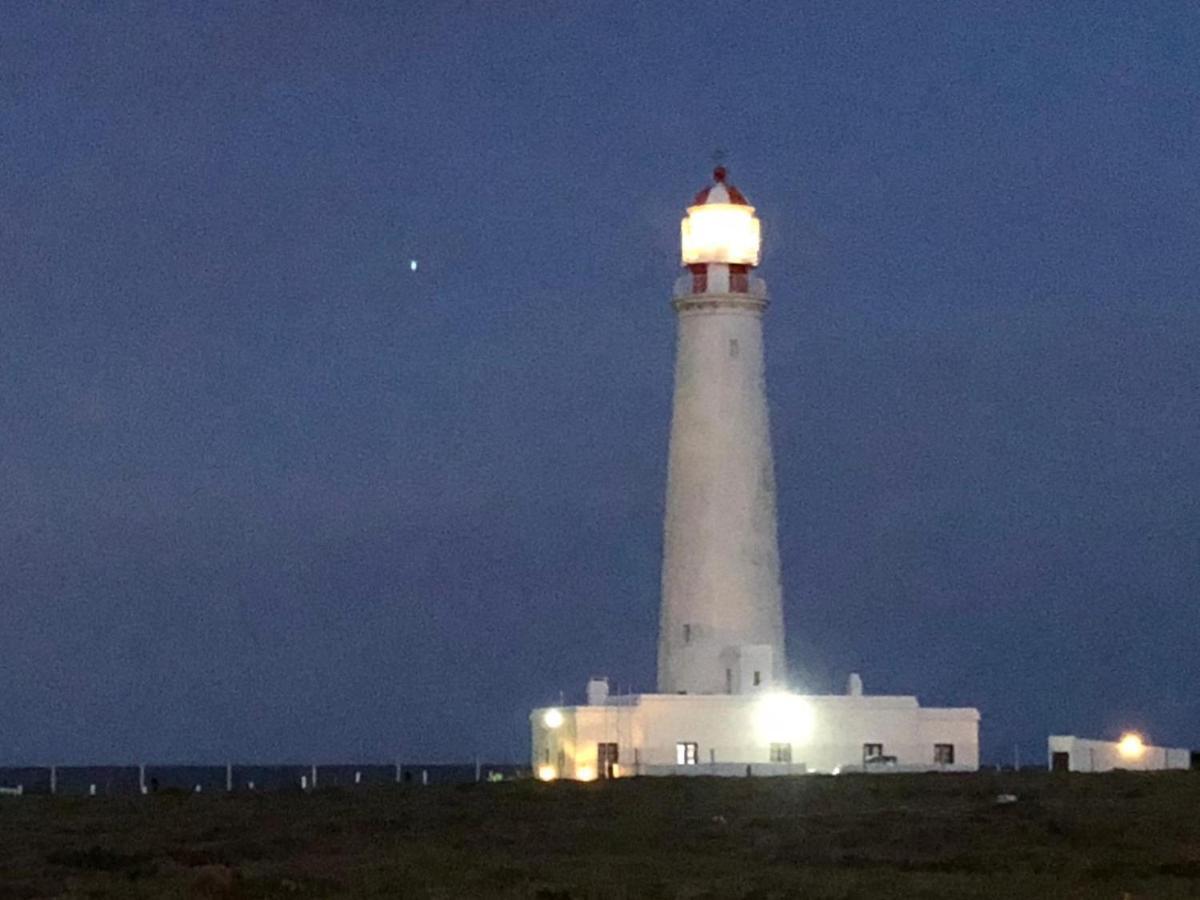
268 494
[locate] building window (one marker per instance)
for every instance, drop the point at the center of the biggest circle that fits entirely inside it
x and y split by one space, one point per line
781 753
733 348
757 678
943 754
729 681
686 753
872 751
687 634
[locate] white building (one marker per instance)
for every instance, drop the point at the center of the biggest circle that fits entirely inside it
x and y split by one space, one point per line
1067 753
723 704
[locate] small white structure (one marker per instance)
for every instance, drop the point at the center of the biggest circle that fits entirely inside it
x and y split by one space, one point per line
723 706
1067 753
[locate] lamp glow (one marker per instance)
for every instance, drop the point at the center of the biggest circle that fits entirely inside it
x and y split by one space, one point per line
721 233
552 718
1131 745
547 773
585 773
784 719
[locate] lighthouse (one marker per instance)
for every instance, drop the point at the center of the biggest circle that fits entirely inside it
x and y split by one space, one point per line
723 705
721 619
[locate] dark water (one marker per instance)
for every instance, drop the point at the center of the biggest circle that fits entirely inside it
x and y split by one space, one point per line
126 779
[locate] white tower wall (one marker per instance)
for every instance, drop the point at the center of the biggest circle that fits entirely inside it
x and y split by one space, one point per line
722 617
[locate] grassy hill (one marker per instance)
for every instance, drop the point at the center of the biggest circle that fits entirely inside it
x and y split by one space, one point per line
1120 835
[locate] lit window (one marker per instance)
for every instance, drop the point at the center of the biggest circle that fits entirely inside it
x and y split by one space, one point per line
872 751
781 753
686 753
943 754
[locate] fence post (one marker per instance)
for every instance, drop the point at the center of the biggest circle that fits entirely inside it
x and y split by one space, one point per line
53 780
229 777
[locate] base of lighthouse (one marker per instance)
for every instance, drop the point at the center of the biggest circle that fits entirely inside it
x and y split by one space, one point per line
769 733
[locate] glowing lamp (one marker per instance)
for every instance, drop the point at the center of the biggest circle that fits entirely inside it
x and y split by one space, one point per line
1131 745
585 773
784 719
721 233
547 773
552 718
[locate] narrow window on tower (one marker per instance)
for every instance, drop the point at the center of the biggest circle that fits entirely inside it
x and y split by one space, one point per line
943 754
781 753
733 348
687 634
757 678
729 681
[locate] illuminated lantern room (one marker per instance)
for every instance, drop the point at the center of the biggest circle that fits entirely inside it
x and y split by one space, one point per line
720 239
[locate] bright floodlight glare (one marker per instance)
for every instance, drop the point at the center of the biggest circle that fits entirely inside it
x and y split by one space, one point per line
720 233
585 773
553 718
1131 745
412 264
784 719
547 773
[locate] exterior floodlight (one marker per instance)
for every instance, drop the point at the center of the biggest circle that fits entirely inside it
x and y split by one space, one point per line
547 773
784 719
553 718
1131 745
721 233
585 773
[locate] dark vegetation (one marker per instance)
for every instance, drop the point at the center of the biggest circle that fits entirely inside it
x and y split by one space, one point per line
1117 836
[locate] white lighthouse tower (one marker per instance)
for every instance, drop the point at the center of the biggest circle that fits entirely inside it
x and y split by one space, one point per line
721 628
723 706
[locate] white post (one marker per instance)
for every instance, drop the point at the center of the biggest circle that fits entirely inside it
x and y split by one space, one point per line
424 776
141 778
477 767
229 776
314 776
358 777
53 780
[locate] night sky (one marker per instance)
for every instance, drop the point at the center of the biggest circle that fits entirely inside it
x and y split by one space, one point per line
268 494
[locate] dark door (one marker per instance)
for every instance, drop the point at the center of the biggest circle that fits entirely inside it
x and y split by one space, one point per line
1060 762
606 758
